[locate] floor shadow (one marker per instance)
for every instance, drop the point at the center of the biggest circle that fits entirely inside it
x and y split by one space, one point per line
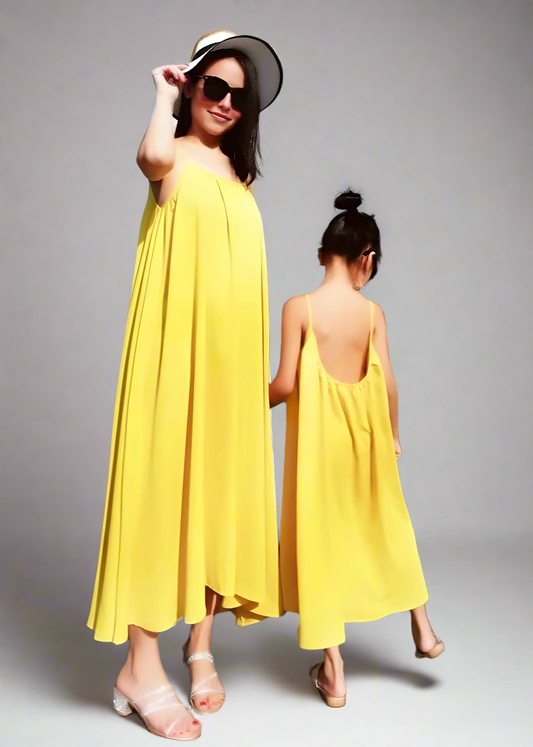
50 645
284 663
359 664
52 648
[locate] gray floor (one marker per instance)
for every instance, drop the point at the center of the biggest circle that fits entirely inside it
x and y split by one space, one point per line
57 681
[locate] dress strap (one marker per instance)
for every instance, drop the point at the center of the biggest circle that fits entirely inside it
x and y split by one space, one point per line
309 310
371 319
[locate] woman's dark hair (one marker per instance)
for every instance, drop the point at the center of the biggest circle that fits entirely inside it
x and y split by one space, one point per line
241 143
350 233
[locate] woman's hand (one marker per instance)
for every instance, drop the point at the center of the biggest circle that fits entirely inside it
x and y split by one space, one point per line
397 448
167 79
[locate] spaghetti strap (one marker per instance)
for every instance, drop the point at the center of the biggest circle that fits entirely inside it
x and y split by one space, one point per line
309 310
371 319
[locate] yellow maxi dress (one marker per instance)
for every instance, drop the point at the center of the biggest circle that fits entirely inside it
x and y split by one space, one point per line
190 497
348 550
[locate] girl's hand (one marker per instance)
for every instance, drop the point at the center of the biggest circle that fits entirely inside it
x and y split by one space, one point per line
397 448
167 79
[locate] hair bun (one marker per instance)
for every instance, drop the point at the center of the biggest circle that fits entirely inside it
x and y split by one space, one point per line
348 200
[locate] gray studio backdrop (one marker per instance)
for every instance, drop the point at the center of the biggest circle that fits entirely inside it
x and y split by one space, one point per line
424 105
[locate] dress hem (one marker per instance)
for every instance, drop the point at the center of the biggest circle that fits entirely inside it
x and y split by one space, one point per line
338 642
244 615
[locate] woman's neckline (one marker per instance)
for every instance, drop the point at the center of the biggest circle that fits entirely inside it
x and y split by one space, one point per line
190 162
213 173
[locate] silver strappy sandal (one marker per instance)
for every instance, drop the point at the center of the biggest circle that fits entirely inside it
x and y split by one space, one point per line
201 688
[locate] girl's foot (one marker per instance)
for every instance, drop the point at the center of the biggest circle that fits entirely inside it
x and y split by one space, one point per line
426 640
331 700
328 678
331 681
207 692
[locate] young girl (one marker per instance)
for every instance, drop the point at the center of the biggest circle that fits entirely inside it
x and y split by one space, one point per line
190 519
348 551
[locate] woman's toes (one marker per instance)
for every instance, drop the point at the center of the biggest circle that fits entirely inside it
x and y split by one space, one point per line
208 705
201 704
190 730
215 704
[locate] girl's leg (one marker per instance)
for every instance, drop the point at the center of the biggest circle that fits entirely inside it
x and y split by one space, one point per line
143 673
331 674
423 634
199 642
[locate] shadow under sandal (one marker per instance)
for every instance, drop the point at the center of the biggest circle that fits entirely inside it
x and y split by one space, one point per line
200 688
182 726
333 701
437 650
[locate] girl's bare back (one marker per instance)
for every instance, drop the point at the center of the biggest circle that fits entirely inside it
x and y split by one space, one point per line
341 324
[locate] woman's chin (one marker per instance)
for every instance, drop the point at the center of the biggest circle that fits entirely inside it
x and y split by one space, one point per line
217 128
213 130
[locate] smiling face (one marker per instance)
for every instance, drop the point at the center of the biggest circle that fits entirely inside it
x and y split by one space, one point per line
216 117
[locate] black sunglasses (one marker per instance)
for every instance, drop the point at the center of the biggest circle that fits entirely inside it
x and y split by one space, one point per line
217 89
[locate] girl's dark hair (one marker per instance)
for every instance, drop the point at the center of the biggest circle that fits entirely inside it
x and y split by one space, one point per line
351 232
241 143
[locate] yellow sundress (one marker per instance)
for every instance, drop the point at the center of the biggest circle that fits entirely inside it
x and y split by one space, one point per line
190 497
348 550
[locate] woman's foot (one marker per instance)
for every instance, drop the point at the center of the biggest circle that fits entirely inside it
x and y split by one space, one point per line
207 692
143 681
160 709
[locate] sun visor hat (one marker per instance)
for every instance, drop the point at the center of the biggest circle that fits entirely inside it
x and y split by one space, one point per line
263 57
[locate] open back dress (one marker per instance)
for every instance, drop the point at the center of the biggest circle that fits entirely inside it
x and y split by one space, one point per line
348 550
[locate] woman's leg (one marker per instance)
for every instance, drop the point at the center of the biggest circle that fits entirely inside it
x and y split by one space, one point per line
143 673
331 674
199 642
423 634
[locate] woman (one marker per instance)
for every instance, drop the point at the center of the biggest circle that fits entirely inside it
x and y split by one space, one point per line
190 522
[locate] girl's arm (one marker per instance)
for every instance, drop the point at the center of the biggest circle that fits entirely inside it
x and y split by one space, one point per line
156 155
283 384
382 349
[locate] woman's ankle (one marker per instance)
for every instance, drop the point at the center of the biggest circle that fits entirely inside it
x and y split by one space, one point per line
200 635
144 673
143 661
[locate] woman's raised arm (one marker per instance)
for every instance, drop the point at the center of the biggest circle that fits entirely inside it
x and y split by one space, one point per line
156 154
